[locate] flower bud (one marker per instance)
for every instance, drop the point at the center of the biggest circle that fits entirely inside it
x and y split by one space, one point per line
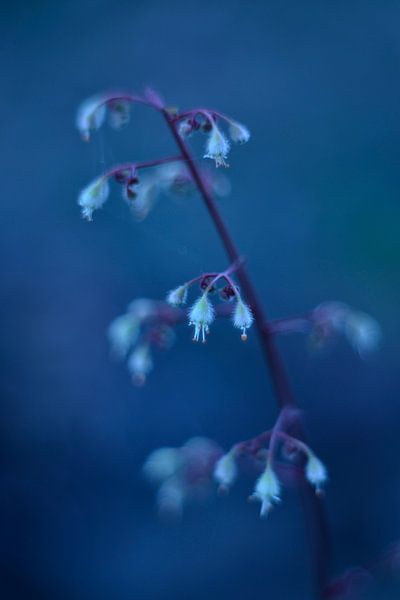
93 196
118 113
146 195
140 363
123 175
185 127
162 463
178 296
171 497
90 117
238 132
242 318
227 293
205 283
315 471
142 308
225 470
363 332
123 333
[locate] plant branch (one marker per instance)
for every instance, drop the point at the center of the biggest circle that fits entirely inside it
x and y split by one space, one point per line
312 506
282 389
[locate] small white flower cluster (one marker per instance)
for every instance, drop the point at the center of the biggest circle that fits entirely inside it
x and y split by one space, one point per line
173 179
361 330
92 114
267 489
181 474
185 473
218 144
202 314
134 332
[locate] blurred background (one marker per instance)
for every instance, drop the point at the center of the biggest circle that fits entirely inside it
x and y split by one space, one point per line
314 206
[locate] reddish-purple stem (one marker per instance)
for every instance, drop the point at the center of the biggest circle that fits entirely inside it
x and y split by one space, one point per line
283 392
131 166
312 505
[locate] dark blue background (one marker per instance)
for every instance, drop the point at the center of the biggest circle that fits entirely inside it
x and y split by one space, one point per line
314 206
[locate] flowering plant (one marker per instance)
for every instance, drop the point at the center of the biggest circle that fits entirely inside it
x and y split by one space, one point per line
279 455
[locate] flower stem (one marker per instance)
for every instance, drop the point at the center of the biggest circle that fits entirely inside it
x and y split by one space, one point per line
313 510
282 389
131 166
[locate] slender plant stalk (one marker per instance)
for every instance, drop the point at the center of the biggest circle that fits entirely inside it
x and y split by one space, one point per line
312 506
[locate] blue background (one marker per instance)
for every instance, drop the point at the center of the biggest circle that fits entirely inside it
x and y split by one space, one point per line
315 208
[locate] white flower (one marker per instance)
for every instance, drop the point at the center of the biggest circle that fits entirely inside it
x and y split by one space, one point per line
175 179
119 113
142 308
315 471
201 315
129 191
93 196
267 490
217 147
140 363
363 332
90 116
242 317
225 470
331 314
171 497
238 132
146 194
123 333
177 296
162 464
185 128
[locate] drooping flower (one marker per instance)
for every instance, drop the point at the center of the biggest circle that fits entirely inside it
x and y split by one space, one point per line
201 315
217 147
315 471
242 317
363 332
182 474
267 490
140 363
238 132
185 127
119 113
178 296
171 497
93 196
123 333
225 470
175 179
162 463
143 201
142 308
90 116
